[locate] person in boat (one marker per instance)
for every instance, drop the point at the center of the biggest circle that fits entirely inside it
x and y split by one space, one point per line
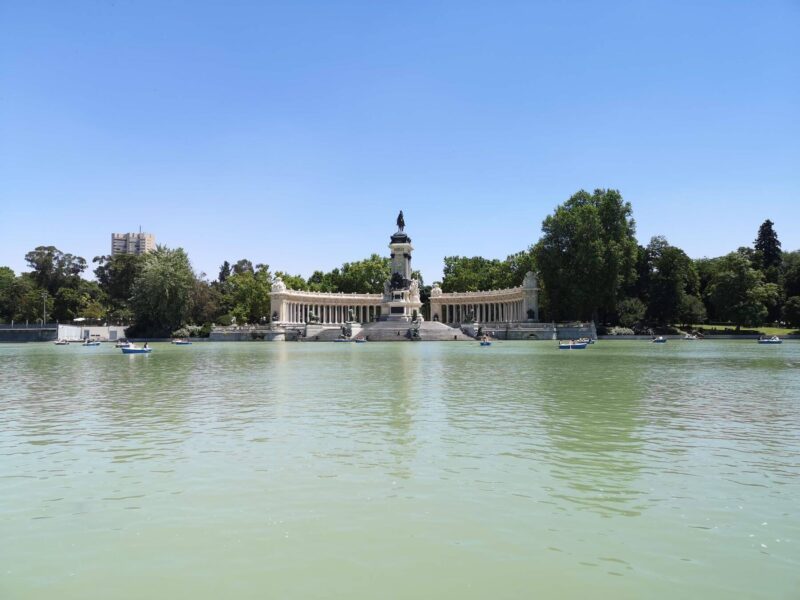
145 345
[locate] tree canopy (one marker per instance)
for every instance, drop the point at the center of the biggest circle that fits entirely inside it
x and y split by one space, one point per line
472 274
738 291
672 277
162 292
587 255
52 269
768 250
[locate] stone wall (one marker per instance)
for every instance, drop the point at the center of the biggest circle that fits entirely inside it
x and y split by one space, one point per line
28 334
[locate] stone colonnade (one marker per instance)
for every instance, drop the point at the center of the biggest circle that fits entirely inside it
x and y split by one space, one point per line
482 312
495 306
292 307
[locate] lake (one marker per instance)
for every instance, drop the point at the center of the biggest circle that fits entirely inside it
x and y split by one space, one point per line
381 470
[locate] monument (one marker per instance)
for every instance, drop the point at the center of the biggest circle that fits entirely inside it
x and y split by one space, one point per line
401 301
396 313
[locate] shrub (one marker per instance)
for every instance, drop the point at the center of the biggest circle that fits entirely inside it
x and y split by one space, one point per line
620 331
631 311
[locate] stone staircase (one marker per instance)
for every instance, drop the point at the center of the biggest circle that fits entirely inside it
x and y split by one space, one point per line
399 331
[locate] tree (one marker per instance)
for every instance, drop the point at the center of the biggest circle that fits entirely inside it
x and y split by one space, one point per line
323 282
631 311
706 271
515 267
85 299
364 276
116 274
473 274
639 286
22 300
162 292
587 255
738 293
224 272
242 266
791 311
768 251
248 294
7 278
206 301
691 310
672 278
293 282
359 277
791 273
468 274
51 268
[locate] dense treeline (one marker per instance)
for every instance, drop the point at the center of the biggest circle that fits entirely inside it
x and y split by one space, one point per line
159 294
590 266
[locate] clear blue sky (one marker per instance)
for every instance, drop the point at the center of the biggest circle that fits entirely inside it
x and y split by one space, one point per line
291 133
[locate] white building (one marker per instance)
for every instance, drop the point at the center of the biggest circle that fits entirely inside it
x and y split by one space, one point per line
132 243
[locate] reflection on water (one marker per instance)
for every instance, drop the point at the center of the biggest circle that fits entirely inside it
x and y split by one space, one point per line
594 434
444 470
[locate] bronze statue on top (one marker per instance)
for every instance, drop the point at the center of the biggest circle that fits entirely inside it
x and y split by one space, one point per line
401 222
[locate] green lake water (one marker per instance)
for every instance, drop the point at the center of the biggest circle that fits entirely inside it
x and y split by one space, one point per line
430 470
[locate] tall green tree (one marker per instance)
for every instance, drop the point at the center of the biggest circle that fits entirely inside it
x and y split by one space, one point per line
587 255
116 275
224 272
21 299
706 271
768 251
205 301
791 311
323 282
472 274
162 293
52 268
248 294
672 278
364 276
791 273
83 299
359 277
7 278
739 293
469 274
242 266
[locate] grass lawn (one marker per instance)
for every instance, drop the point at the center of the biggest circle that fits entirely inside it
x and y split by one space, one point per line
732 329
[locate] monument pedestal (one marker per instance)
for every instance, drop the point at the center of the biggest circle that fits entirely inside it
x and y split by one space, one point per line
400 305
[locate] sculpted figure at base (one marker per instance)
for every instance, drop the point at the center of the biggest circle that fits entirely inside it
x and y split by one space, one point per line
414 289
278 285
